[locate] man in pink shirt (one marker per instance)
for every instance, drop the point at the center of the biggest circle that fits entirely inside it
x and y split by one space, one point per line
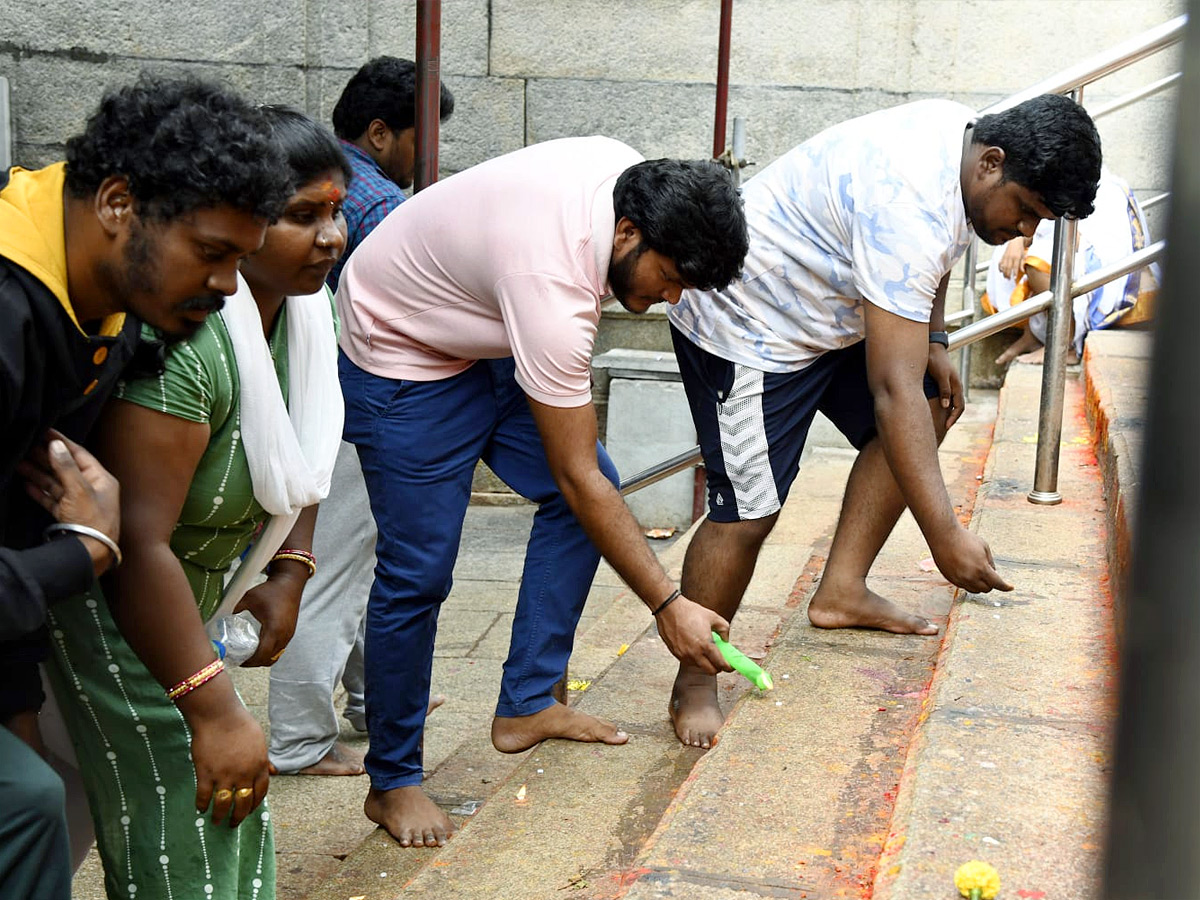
468 319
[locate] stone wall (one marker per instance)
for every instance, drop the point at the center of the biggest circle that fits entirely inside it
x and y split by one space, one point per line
639 70
642 71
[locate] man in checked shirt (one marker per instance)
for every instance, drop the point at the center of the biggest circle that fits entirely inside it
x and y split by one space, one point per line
375 121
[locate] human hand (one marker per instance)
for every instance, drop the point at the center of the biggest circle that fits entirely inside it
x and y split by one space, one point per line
229 752
965 559
71 485
1012 260
949 384
276 605
686 628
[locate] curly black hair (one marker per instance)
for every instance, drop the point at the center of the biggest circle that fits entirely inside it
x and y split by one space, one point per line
309 147
183 144
384 88
690 212
1051 147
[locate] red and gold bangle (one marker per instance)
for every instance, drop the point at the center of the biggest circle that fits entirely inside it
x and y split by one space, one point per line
193 681
300 556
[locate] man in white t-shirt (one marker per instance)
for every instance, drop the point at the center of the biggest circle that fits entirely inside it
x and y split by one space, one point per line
840 309
468 319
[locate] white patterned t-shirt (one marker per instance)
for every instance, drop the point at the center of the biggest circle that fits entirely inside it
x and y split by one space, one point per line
870 209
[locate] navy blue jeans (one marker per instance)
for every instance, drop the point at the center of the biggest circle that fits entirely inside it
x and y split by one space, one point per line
419 442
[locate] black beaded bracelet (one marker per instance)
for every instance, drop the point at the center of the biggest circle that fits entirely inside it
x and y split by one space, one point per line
667 602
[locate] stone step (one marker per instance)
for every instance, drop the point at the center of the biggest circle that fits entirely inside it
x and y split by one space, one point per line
657 816
797 798
1010 762
1116 368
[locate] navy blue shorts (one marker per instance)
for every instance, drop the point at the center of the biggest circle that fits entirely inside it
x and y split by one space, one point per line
752 424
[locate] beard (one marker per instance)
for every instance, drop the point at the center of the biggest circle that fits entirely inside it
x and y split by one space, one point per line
620 274
140 282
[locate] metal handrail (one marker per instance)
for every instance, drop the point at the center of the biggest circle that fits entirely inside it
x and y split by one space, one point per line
967 335
1069 81
1151 202
1134 96
664 469
1014 315
1104 63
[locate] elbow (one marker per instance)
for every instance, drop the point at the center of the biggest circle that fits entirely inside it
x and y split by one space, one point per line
580 484
893 390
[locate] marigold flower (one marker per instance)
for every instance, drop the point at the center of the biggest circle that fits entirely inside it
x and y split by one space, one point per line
977 880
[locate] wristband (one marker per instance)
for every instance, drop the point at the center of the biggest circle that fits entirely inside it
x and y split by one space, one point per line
86 531
940 337
193 681
674 594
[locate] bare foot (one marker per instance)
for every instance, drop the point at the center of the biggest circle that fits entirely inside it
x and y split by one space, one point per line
340 760
860 607
1038 357
1025 343
694 709
409 816
435 700
512 734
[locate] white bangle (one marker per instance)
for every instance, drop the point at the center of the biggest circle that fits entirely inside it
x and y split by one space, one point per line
87 531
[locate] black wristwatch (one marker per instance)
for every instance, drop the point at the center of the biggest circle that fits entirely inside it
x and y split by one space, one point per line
940 337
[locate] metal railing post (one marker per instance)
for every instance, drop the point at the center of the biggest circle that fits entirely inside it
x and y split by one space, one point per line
969 302
1054 365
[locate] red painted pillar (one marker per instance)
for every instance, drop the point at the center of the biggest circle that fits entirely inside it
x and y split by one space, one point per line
429 90
722 78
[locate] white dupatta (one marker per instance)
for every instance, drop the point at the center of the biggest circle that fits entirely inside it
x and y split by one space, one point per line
291 448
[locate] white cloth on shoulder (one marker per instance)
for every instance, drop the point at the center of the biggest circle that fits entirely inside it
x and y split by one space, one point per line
291 447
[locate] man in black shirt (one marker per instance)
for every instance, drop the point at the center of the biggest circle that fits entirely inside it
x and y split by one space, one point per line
170 185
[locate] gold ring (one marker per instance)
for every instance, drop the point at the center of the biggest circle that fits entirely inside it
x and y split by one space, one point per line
277 655
224 794
243 793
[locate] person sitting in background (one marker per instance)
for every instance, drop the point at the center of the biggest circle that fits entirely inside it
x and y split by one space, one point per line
374 119
238 433
169 184
1116 229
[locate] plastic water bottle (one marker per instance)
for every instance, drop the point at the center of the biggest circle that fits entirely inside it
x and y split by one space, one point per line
235 637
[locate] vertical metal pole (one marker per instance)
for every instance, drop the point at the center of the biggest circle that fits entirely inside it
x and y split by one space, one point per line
722 78
429 91
1054 365
969 301
1154 814
737 155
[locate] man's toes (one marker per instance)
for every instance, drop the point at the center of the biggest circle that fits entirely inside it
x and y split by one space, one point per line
614 736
